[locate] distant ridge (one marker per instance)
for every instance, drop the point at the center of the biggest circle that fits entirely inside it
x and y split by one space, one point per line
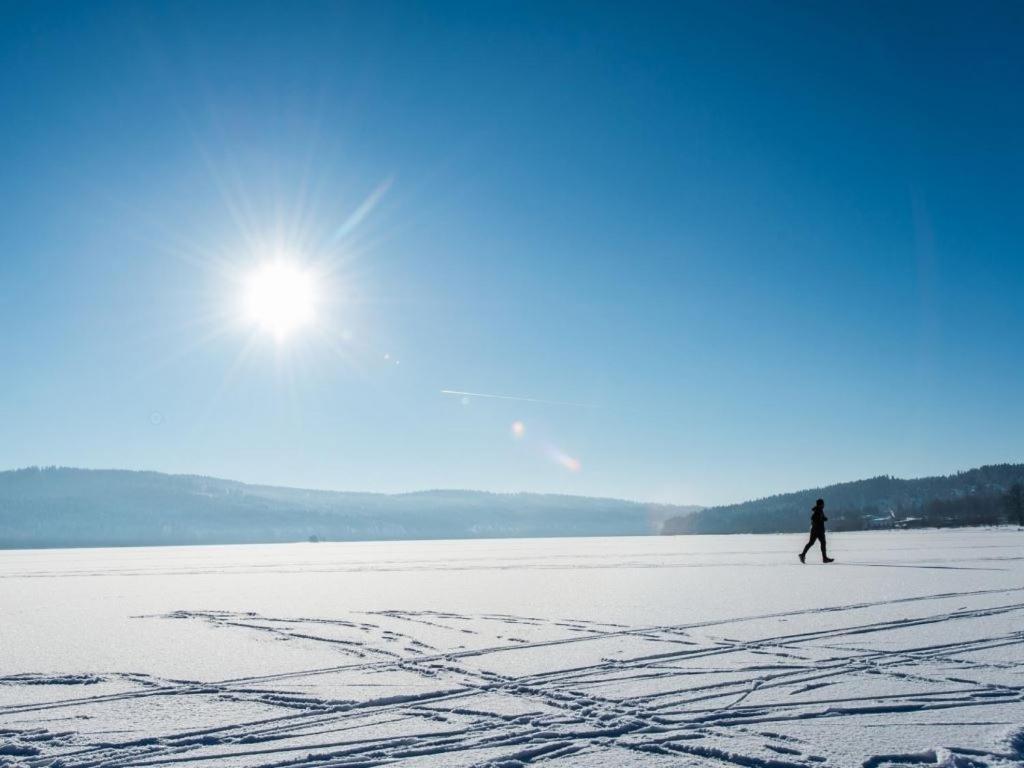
67 507
973 497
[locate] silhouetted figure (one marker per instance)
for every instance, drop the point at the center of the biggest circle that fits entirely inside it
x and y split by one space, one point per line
817 531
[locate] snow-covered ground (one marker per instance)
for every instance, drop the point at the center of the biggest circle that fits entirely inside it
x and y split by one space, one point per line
717 651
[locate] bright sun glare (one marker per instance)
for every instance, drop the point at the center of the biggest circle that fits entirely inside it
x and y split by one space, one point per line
279 298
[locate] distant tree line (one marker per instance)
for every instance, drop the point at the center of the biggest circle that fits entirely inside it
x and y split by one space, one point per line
988 495
66 507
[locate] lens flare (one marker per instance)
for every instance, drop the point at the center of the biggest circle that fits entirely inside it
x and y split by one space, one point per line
564 459
518 429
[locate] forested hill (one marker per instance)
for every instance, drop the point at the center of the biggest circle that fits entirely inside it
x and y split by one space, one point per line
975 497
61 507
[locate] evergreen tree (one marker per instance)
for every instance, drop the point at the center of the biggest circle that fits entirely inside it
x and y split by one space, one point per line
1015 503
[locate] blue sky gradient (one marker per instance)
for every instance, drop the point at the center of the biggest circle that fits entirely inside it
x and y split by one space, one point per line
764 245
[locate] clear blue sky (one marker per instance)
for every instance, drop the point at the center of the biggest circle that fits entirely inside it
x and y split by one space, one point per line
768 246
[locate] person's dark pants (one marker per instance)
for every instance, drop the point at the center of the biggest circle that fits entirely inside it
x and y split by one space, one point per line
816 536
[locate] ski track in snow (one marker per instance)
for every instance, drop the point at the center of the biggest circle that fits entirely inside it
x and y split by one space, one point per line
445 687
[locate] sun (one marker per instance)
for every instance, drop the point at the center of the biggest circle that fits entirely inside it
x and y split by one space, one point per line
279 297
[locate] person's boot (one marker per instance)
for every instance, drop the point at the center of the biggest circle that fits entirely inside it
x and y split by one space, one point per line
801 556
827 559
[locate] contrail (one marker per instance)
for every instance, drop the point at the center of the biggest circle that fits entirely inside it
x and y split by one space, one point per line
511 397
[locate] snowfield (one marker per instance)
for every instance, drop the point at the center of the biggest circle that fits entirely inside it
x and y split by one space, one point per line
671 651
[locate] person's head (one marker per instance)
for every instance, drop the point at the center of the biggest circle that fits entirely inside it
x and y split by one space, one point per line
819 504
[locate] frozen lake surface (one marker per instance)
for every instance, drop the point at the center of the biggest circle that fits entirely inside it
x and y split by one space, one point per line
702 651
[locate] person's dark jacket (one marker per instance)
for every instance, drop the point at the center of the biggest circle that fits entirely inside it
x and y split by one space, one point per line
818 520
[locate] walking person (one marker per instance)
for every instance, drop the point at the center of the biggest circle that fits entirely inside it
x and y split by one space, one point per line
817 531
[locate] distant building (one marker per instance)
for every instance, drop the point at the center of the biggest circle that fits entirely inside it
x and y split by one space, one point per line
878 522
